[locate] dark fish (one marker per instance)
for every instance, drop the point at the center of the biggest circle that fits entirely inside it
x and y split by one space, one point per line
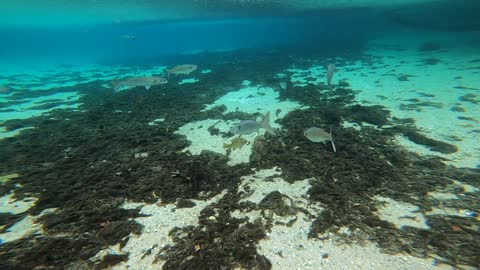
330 72
4 89
250 126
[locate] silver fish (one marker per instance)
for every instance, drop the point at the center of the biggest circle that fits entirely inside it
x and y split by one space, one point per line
128 37
182 69
250 126
315 134
146 82
330 72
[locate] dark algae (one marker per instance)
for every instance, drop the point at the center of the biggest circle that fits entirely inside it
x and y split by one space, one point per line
84 164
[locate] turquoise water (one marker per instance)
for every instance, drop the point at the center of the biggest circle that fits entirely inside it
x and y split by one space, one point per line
239 135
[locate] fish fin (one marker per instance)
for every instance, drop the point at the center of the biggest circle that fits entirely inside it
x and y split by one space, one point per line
147 87
266 124
116 85
331 140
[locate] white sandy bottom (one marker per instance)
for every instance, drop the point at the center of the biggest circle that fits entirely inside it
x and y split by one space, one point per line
250 99
287 247
435 89
28 225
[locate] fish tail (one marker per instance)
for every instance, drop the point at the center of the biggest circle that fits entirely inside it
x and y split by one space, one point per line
226 146
266 124
333 146
116 85
331 140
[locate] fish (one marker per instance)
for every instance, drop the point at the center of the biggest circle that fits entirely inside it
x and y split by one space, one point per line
182 69
128 37
315 134
330 72
4 89
235 143
250 126
146 82
283 86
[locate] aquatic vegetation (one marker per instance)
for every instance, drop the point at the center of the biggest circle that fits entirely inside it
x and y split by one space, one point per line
145 179
418 105
104 169
472 98
434 145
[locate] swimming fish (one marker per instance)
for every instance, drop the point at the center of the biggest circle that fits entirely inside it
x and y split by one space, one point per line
315 134
182 69
236 143
4 89
147 82
249 126
330 72
128 37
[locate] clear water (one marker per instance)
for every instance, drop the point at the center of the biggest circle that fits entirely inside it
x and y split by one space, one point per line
80 163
